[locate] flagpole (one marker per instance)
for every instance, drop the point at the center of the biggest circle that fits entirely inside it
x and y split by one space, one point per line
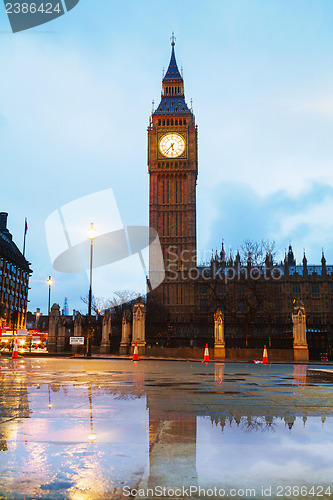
25 235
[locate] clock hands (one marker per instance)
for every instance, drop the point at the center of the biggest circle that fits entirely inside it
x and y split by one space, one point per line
170 147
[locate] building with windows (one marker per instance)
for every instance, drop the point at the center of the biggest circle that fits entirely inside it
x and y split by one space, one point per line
14 280
256 297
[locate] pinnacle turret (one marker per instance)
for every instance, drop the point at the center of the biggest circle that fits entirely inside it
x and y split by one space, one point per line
173 71
172 99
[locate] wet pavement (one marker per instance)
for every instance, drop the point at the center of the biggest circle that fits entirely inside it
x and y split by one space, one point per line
99 429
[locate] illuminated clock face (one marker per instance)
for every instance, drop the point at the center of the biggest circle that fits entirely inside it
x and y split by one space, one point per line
172 145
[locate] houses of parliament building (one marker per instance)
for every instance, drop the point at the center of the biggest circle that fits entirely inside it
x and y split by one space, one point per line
256 298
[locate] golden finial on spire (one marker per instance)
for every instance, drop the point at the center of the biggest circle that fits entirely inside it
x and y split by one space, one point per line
173 39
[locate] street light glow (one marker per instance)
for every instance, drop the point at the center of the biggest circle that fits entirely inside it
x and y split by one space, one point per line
92 437
92 232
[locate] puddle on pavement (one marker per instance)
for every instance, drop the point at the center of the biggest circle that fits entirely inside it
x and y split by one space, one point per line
217 392
72 429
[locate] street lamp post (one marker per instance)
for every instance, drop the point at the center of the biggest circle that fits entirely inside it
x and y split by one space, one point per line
91 237
49 282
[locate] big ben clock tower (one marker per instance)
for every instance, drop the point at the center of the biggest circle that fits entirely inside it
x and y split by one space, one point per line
173 170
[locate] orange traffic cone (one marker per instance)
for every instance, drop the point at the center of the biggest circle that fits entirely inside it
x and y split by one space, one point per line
206 355
265 357
15 353
136 353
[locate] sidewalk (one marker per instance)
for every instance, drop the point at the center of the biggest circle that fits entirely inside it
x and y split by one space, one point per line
155 358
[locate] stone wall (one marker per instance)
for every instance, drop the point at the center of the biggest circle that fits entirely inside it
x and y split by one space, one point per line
251 354
231 354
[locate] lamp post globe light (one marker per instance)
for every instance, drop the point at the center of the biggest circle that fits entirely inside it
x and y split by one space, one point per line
91 236
49 282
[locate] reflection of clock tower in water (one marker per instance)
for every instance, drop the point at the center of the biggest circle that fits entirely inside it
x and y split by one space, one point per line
173 169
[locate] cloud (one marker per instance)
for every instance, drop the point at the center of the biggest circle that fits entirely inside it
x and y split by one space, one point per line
67 126
317 105
305 218
251 459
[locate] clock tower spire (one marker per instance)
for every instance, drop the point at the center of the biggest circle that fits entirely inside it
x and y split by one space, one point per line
173 170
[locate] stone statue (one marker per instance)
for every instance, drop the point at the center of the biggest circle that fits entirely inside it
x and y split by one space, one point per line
219 344
126 332
139 327
106 332
53 328
301 351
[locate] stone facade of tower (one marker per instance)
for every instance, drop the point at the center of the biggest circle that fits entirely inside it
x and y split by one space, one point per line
173 169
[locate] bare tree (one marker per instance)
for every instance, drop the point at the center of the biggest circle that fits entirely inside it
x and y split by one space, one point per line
98 304
257 251
122 297
118 304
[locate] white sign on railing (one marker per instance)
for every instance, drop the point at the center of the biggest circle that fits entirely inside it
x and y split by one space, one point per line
76 340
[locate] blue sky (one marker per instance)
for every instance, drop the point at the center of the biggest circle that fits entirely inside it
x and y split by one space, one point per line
76 97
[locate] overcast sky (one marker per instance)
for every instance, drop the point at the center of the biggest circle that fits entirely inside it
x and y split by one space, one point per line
75 102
